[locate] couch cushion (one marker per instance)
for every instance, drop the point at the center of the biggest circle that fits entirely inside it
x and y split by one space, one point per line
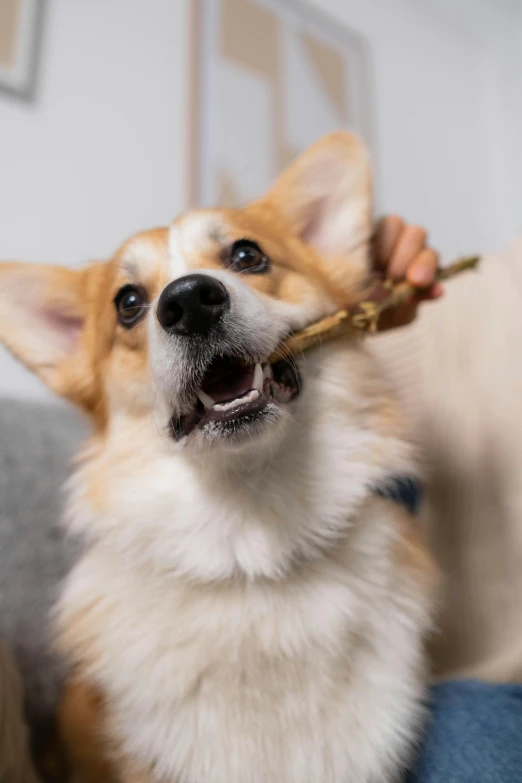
37 442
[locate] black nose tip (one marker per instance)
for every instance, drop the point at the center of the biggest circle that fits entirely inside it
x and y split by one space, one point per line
192 304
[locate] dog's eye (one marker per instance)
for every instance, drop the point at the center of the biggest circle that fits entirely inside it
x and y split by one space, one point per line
247 256
130 305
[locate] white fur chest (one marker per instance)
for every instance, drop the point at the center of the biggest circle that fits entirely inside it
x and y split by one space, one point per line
306 669
314 678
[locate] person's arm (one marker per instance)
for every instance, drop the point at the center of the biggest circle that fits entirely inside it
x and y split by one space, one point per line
402 252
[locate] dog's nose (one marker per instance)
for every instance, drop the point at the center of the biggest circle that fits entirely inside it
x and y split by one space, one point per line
192 304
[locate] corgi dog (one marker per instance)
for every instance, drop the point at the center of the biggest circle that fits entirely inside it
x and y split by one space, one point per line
250 605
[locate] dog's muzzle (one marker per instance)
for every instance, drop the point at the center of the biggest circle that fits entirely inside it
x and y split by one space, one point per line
232 385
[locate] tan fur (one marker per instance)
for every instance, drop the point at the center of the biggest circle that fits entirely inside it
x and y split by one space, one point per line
314 226
83 732
412 552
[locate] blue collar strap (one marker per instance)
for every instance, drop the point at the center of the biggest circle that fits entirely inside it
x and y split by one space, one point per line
406 491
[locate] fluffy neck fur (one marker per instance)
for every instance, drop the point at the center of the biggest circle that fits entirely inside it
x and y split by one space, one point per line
212 515
262 619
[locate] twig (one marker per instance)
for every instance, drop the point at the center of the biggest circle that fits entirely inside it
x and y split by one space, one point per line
365 317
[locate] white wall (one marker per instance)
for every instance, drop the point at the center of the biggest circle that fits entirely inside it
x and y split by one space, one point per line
446 75
102 154
99 156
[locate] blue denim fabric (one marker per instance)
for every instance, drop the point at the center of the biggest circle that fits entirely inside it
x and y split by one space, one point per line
474 735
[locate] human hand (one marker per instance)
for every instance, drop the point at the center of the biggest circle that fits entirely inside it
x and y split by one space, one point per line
401 252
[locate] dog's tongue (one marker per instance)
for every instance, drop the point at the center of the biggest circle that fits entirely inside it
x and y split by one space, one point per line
226 381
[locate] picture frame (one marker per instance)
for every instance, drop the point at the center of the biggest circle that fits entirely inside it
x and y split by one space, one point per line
21 24
269 77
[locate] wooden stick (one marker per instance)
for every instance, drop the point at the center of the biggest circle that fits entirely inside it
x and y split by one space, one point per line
365 317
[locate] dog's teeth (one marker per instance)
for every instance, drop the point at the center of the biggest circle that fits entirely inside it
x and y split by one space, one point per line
250 397
258 378
207 401
267 372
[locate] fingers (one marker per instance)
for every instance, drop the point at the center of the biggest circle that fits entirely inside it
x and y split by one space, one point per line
422 270
401 252
386 237
435 291
398 316
410 243
405 313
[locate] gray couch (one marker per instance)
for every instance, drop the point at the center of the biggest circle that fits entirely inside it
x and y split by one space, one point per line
36 445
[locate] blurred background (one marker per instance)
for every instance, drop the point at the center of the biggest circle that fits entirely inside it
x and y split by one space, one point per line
115 116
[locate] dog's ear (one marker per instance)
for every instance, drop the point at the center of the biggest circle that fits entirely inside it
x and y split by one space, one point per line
326 195
43 312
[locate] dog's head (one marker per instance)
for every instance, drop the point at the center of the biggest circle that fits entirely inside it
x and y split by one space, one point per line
181 321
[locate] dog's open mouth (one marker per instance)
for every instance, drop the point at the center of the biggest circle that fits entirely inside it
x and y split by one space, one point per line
232 393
